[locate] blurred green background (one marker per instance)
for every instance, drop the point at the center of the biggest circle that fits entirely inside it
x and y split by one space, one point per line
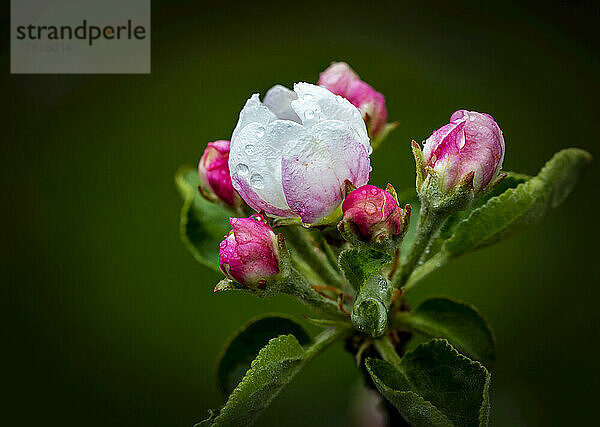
110 321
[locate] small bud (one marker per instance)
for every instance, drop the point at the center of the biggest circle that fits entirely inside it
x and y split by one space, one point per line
249 253
372 215
214 173
472 143
340 79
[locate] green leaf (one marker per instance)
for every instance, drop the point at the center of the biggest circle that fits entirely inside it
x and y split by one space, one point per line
512 180
458 322
244 345
276 364
434 385
512 211
202 224
359 265
520 207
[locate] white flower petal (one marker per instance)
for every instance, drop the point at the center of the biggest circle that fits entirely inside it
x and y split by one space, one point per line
253 112
316 103
255 161
279 100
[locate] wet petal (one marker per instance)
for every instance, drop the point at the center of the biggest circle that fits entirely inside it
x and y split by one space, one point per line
279 100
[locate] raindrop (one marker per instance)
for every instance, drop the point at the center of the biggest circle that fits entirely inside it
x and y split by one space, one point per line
249 149
339 99
374 191
363 192
260 132
257 181
370 208
241 169
309 114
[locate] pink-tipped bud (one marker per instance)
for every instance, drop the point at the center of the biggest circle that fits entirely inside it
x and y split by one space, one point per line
248 254
372 215
472 143
340 79
214 172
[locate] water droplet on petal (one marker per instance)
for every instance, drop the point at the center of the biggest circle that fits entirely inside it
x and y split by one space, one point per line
257 181
374 191
363 192
339 99
260 132
241 169
370 208
309 114
249 149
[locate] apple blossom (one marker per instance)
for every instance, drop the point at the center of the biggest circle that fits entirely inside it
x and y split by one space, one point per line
372 214
340 79
471 143
248 254
214 172
291 154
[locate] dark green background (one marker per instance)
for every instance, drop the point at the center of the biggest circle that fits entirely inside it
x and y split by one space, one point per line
110 321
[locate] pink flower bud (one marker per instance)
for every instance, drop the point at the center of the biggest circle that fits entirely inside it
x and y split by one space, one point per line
373 213
248 254
214 172
340 79
471 143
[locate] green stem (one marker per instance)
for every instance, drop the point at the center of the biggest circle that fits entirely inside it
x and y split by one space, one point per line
328 252
298 287
387 350
324 340
429 224
310 253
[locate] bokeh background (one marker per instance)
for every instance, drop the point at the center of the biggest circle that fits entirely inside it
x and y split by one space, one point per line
110 321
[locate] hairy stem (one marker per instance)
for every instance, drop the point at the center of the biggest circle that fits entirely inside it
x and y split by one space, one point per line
325 339
299 287
429 224
386 349
309 252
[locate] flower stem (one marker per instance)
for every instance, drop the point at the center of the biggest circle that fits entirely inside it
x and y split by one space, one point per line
387 350
324 340
299 287
309 252
429 224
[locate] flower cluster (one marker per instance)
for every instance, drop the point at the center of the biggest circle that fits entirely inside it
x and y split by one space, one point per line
299 162
302 156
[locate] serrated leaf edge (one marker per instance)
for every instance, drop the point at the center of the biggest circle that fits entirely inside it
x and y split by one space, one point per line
243 328
485 403
233 397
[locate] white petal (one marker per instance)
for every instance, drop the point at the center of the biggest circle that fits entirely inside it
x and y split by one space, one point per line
255 159
349 158
316 103
253 112
279 100
314 171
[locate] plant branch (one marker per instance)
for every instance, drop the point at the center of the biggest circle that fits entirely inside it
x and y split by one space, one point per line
386 349
325 339
428 227
310 253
